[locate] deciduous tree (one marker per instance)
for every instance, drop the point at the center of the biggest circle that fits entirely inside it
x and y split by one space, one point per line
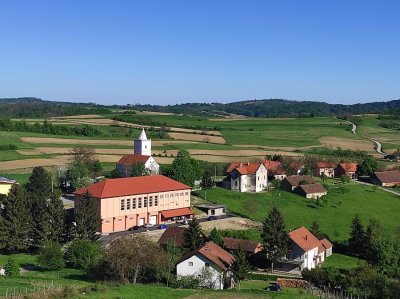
216 237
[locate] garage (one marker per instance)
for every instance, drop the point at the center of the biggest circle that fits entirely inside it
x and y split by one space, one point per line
153 220
141 221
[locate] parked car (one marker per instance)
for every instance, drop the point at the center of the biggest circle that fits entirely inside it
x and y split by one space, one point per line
149 225
164 226
211 218
274 287
135 227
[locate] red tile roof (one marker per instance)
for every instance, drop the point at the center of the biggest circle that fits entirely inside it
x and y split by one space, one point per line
177 212
296 166
243 168
214 253
232 166
312 188
326 164
132 186
325 242
272 165
174 234
388 176
131 159
247 245
304 239
295 180
349 167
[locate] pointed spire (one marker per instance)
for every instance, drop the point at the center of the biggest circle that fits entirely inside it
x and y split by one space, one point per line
142 135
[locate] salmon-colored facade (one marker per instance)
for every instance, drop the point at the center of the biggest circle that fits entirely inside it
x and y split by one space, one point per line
127 202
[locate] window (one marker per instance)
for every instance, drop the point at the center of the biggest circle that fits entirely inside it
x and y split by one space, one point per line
166 195
176 194
128 204
186 193
139 203
190 264
156 200
150 201
161 196
144 202
181 194
134 203
172 195
122 204
207 265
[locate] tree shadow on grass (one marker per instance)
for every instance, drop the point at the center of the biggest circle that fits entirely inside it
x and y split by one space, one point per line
312 206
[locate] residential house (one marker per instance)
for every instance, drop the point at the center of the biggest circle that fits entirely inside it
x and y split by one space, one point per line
290 183
141 154
212 258
5 185
173 235
325 168
386 178
275 170
306 250
247 177
311 190
347 169
297 168
126 202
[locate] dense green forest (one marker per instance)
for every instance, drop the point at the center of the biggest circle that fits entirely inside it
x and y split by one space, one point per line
34 107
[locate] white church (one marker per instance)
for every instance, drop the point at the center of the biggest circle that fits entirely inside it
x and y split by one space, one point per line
141 154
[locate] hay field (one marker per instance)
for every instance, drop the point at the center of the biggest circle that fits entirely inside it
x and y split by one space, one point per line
197 137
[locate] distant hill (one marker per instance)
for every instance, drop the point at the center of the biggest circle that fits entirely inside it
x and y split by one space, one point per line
34 107
274 108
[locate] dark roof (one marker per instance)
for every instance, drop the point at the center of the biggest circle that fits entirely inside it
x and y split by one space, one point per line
388 176
312 188
234 244
173 234
296 179
214 253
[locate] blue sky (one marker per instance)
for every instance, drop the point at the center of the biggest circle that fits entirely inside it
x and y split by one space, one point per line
166 52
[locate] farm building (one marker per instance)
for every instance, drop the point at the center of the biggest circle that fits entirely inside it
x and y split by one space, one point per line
173 235
126 202
212 209
297 168
251 247
209 257
311 190
247 177
141 155
290 183
347 169
5 185
386 178
324 168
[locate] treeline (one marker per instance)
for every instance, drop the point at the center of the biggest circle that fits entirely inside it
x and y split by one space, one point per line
48 128
37 108
390 124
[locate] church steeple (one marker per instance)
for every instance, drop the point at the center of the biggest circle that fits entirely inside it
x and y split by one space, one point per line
142 145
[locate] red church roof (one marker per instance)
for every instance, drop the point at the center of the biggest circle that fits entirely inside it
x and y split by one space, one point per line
132 186
133 158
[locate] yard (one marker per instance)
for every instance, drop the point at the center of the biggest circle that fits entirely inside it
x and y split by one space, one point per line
334 218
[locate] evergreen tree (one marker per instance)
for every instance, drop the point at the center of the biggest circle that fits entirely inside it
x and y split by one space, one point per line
216 237
184 169
316 231
17 219
357 240
193 236
206 180
87 220
275 236
3 233
56 215
241 267
40 183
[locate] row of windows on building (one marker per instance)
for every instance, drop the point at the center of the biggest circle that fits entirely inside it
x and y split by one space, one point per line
147 201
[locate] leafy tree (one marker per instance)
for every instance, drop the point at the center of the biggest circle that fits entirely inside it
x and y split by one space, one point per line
139 169
368 166
166 270
78 176
56 215
51 256
193 236
345 179
241 267
40 183
81 254
274 236
206 181
216 237
184 169
357 237
276 184
87 220
87 157
316 230
17 219
11 268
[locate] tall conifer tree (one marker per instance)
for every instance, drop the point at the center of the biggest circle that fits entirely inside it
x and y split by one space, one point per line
357 237
87 220
56 216
193 237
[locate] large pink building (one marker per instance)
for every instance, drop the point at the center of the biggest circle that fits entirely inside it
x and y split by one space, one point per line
126 202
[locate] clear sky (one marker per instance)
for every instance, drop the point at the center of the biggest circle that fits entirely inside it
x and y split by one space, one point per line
166 52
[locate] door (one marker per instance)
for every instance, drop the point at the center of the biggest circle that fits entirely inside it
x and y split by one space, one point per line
153 220
141 221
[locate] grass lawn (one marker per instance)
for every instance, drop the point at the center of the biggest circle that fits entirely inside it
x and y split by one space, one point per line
341 262
334 219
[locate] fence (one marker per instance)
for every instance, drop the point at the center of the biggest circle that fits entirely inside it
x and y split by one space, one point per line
22 292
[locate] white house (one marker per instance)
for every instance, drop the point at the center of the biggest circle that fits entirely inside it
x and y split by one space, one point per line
141 154
209 258
247 177
306 249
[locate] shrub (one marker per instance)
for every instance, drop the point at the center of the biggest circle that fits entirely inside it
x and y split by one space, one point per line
51 256
81 254
11 268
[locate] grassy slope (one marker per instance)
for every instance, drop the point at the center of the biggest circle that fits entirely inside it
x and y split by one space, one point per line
371 129
342 262
334 219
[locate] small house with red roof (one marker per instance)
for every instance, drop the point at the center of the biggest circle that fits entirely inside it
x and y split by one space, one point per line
247 177
347 169
135 201
275 170
325 168
141 155
211 258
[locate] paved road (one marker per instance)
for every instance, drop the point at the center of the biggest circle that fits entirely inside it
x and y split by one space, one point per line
378 147
381 188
